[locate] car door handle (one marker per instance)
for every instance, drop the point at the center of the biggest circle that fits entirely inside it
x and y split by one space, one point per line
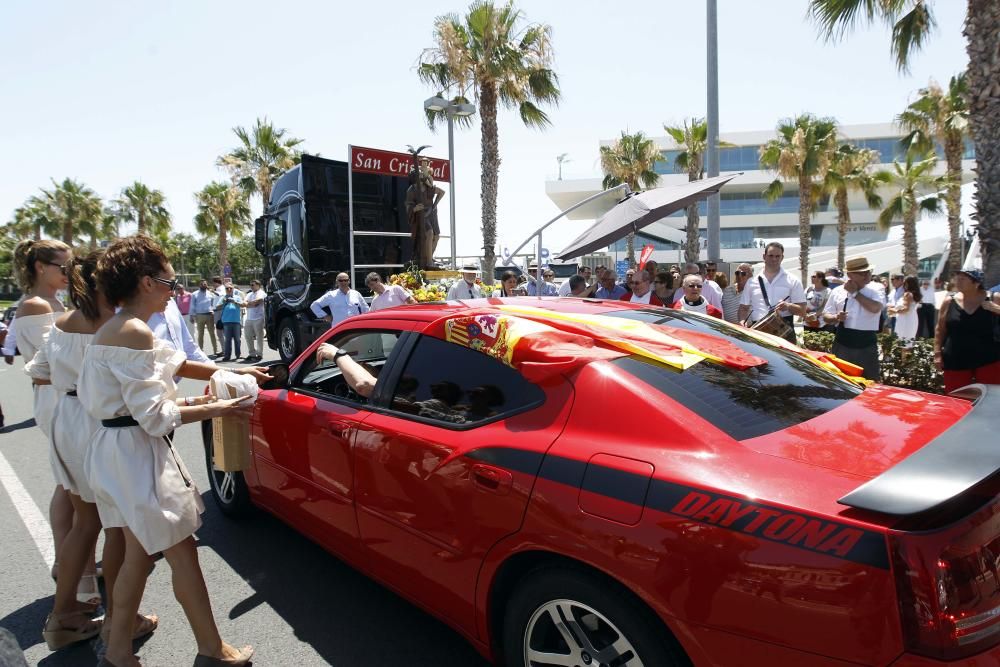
491 478
339 429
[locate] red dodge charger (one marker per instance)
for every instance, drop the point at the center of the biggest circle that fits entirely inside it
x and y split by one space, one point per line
577 482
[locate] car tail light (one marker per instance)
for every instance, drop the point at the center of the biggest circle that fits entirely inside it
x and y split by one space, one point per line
948 583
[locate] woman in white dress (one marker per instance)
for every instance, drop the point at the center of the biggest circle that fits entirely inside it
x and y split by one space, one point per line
40 270
59 361
906 313
139 482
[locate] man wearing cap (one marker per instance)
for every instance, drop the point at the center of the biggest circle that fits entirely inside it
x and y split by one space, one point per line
466 288
547 288
342 301
773 289
854 308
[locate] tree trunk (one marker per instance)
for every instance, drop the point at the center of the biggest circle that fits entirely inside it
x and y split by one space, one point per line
692 251
38 232
953 197
843 220
981 21
224 248
265 195
911 255
141 222
630 249
490 165
805 215
67 235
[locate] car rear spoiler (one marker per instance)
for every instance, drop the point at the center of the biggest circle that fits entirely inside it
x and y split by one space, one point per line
944 468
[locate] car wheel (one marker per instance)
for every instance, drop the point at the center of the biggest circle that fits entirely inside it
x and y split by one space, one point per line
561 616
229 489
288 340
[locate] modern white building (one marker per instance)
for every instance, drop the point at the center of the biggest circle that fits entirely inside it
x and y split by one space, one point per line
748 220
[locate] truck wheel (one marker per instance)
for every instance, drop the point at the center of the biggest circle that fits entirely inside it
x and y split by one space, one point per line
288 340
564 616
229 489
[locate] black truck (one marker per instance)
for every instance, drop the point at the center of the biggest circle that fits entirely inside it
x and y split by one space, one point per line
307 237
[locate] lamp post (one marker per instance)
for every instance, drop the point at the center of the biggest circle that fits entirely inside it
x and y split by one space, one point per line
451 110
712 150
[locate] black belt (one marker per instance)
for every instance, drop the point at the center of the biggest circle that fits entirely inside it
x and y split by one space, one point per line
119 422
71 392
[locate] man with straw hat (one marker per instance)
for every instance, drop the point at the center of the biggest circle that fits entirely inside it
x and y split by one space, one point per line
466 288
854 308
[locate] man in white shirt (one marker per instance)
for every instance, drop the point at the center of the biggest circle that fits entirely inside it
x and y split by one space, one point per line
711 290
773 288
466 288
253 327
343 302
386 296
855 308
169 326
584 271
895 295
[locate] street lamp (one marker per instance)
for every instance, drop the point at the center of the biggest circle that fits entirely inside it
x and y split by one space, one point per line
451 110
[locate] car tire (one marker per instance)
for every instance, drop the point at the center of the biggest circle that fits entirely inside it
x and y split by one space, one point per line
289 342
616 628
229 489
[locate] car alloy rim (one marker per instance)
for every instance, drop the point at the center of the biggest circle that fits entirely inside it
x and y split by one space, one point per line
288 342
567 632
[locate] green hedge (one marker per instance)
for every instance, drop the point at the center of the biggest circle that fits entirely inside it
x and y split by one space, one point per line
917 372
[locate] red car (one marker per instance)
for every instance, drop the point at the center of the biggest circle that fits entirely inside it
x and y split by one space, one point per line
577 482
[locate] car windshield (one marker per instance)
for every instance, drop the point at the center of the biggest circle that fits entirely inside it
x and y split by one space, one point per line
785 391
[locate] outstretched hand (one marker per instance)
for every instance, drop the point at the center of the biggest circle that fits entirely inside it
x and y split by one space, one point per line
259 373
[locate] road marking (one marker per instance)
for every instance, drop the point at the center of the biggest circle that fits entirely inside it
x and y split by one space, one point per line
33 518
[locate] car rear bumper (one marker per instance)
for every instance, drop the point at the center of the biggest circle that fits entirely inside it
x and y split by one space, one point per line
988 658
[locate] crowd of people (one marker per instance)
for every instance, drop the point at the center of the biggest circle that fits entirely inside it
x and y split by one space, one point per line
227 314
103 376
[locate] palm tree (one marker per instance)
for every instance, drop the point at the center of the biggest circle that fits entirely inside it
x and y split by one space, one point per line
693 139
801 153
488 53
263 155
223 211
911 180
912 22
103 227
630 160
850 169
942 116
29 219
71 208
144 207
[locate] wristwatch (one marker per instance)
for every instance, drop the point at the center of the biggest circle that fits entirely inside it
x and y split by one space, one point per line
340 353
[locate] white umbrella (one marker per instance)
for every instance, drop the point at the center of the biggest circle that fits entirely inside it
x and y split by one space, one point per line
638 210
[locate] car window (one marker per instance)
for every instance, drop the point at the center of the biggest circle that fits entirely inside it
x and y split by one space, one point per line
371 349
785 391
453 385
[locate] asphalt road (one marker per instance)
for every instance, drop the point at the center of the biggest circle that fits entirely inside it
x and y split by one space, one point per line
269 586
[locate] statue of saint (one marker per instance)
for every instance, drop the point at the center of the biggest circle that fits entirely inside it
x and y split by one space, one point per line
422 198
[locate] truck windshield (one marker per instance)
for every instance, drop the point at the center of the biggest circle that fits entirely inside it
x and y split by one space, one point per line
786 391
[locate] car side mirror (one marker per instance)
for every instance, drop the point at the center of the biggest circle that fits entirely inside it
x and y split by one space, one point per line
260 233
279 377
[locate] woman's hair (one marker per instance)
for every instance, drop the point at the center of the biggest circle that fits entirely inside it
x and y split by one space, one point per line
912 285
722 279
666 278
822 278
83 285
28 252
507 275
125 263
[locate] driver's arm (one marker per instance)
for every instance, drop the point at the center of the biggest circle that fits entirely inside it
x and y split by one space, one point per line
357 376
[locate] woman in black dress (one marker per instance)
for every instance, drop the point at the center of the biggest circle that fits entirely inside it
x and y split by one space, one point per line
965 343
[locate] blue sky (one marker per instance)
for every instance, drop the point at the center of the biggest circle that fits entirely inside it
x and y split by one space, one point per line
110 92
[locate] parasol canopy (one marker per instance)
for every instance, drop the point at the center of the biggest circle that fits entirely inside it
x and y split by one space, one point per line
638 210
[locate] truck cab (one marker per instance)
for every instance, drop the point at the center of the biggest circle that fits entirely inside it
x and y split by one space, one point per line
321 221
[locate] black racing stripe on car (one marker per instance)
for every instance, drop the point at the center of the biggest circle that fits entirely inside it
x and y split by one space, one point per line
627 487
795 529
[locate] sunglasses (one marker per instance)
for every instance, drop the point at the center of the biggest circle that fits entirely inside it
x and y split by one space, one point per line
172 284
693 286
741 273
343 280
63 268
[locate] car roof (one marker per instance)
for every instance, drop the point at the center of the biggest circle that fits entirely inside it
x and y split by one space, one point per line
428 312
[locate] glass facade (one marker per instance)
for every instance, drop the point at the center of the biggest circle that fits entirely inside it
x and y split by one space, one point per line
746 203
747 158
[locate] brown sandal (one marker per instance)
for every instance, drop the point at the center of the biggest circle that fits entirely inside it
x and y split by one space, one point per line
241 658
62 636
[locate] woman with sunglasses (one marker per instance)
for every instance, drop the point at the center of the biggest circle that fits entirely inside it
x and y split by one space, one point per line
139 482
663 287
40 270
58 361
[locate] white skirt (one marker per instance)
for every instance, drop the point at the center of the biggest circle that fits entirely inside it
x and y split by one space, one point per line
140 483
72 430
45 400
